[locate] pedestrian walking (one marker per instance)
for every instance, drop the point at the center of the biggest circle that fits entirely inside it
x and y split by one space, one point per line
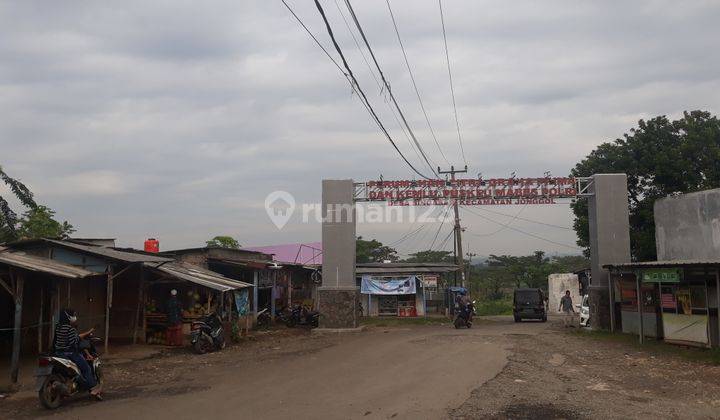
567 309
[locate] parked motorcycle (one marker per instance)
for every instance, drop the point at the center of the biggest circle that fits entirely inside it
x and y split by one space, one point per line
264 319
207 334
464 318
300 315
59 377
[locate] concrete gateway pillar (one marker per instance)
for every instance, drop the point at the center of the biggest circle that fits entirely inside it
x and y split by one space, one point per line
338 296
608 217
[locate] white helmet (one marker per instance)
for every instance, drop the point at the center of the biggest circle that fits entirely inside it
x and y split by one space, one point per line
173 292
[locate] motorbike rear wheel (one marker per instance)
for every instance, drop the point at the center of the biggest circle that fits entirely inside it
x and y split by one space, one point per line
203 345
458 323
48 394
290 322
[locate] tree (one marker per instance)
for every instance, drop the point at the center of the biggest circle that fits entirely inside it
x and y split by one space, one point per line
571 263
431 256
661 158
373 251
40 223
8 217
223 242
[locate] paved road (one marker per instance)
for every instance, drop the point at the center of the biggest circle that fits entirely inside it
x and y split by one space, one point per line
416 372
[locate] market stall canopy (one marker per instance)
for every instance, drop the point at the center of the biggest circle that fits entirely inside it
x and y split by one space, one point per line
404 268
43 265
198 275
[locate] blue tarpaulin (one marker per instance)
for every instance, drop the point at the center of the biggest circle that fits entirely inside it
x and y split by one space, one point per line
242 301
387 285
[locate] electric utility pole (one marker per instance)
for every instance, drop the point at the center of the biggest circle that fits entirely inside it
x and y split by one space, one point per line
458 230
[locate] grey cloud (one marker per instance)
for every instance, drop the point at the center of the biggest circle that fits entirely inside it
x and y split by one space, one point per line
198 111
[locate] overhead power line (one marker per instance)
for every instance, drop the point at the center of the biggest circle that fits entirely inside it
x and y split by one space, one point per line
412 78
442 222
525 219
452 88
445 241
503 227
521 231
351 79
379 85
386 83
408 235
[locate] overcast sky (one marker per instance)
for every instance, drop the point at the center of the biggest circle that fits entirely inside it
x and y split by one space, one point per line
175 119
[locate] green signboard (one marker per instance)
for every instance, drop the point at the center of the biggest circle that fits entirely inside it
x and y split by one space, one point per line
661 275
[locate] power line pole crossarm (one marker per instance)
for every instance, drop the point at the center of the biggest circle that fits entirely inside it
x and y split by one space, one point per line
459 261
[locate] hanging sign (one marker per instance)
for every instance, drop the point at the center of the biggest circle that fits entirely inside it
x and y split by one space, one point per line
662 275
387 285
430 282
468 192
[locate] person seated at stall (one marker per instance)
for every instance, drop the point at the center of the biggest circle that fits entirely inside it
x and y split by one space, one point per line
173 310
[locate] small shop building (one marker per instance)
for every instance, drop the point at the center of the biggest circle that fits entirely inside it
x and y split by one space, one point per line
124 300
277 285
402 289
676 301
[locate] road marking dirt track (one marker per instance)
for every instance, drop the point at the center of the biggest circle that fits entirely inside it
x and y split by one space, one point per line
410 373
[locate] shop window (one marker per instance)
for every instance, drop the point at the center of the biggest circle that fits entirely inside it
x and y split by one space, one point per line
667 299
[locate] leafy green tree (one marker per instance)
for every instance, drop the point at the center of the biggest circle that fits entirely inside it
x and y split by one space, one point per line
571 263
40 223
373 251
223 242
430 256
661 158
8 217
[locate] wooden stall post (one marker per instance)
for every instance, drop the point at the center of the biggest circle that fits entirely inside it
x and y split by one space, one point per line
611 296
40 318
717 303
255 297
17 335
138 310
638 276
54 309
108 305
289 288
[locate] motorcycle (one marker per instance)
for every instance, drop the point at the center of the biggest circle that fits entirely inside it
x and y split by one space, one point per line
302 316
207 334
464 317
59 377
264 319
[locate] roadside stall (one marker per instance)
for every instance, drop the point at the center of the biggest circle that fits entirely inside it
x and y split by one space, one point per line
400 289
395 296
199 292
678 300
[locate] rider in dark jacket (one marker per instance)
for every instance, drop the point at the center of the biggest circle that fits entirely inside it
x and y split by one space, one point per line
66 344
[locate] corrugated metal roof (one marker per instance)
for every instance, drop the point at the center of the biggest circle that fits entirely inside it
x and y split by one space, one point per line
109 252
43 265
245 262
199 275
658 264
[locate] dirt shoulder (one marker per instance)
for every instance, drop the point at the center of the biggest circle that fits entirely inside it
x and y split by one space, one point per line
564 374
172 371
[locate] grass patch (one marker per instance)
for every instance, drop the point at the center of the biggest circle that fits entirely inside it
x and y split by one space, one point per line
493 307
696 354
